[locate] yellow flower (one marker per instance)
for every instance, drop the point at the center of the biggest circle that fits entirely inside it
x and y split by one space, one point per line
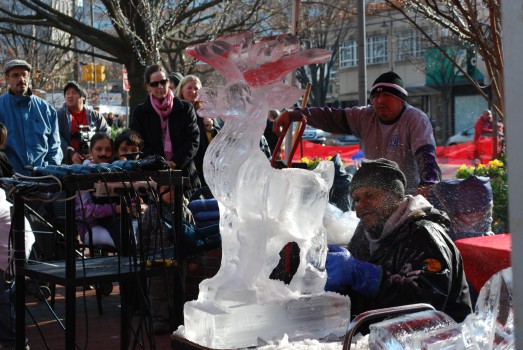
496 164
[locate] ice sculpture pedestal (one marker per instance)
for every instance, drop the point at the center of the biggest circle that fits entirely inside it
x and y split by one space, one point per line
238 326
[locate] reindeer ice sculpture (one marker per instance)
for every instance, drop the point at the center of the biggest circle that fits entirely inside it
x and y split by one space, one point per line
261 208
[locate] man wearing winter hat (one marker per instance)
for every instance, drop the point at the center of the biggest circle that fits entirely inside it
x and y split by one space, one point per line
174 80
388 128
31 122
411 258
74 114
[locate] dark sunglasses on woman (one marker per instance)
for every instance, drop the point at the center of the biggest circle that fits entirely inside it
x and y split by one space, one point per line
156 83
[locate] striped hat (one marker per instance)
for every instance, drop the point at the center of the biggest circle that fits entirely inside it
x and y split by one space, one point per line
391 83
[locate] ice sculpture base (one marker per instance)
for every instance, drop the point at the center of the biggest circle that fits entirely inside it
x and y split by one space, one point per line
308 317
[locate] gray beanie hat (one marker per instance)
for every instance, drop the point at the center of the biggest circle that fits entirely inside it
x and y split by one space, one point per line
379 173
176 77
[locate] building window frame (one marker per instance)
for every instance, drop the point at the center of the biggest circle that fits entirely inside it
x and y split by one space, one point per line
348 54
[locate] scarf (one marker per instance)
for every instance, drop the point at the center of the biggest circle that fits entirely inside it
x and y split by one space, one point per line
164 109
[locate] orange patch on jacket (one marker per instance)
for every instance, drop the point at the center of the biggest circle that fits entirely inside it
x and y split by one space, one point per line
431 265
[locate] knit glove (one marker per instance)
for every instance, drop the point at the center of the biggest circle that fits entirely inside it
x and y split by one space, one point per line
344 271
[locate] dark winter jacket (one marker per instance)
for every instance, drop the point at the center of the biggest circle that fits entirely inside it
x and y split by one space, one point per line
184 133
65 125
420 262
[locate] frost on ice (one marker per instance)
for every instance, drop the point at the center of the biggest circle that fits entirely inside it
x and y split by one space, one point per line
261 208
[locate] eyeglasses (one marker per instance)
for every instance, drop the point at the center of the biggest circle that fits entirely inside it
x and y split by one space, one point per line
156 83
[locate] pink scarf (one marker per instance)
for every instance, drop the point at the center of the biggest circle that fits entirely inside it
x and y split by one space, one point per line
164 109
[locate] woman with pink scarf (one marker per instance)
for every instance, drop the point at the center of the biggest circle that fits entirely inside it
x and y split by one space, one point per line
168 126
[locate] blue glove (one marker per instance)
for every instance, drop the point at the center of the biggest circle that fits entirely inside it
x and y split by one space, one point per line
344 271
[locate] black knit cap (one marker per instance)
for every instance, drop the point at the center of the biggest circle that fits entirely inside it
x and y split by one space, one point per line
77 87
389 82
176 77
379 173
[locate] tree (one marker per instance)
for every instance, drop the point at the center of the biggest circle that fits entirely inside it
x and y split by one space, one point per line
48 62
475 22
324 25
135 30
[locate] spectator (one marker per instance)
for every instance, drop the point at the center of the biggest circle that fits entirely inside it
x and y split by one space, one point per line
7 291
174 79
484 127
168 126
410 258
102 220
75 121
210 129
32 124
188 90
110 119
117 121
272 138
128 145
389 128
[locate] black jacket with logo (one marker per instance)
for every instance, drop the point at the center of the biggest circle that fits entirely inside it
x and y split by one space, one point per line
420 263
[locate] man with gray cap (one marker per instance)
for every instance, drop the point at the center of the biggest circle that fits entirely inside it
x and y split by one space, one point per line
388 128
31 122
73 115
410 257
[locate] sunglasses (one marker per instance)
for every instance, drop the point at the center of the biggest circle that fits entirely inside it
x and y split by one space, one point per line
156 83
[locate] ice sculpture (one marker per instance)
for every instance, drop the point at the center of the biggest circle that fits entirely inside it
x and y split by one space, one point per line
261 208
490 327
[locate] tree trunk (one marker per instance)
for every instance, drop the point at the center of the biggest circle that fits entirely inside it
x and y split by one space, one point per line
137 92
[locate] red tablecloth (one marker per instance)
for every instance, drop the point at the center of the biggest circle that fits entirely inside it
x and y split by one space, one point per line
484 256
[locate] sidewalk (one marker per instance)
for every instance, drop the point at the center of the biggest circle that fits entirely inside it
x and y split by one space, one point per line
93 331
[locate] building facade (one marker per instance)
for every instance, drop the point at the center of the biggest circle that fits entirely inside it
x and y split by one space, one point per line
433 83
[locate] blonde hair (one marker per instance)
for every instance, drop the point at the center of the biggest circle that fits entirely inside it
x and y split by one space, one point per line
184 81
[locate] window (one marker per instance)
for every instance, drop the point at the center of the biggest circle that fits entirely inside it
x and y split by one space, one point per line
333 74
377 49
410 44
348 54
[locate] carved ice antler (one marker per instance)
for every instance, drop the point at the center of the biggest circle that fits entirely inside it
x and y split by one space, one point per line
258 62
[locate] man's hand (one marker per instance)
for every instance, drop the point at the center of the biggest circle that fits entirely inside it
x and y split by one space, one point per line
282 122
344 271
338 265
77 158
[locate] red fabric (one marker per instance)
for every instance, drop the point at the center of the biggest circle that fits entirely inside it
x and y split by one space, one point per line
456 154
484 256
465 153
312 150
78 118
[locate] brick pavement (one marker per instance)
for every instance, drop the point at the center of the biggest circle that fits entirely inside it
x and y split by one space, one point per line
95 331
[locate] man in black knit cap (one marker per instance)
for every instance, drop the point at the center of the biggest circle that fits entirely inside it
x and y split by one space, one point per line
411 258
388 128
